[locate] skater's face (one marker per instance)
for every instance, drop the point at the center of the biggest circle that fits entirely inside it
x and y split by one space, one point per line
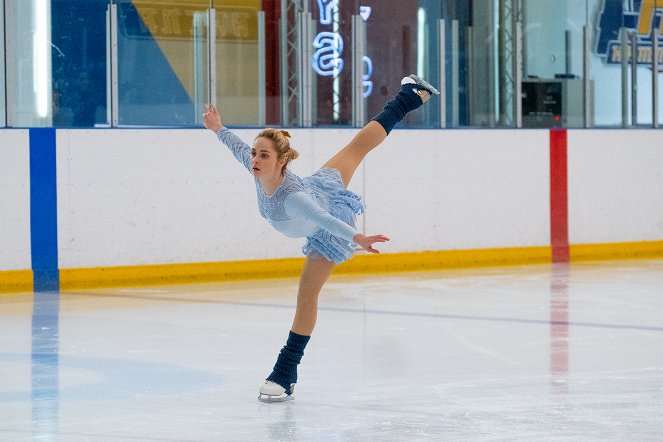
265 162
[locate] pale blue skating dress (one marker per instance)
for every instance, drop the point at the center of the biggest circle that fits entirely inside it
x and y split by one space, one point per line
317 207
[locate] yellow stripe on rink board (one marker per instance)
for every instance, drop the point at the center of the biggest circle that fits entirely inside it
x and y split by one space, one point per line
621 250
71 279
162 274
445 259
85 278
15 281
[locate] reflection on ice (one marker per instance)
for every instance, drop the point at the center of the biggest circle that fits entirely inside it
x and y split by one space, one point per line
45 365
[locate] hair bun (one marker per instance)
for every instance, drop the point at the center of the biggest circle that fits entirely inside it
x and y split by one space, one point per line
286 133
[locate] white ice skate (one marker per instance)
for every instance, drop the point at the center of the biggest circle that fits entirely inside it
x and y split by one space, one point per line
423 84
273 392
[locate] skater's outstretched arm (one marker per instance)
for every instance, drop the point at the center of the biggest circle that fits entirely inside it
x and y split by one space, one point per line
241 150
300 206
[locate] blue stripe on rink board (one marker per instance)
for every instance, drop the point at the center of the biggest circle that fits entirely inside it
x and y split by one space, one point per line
43 210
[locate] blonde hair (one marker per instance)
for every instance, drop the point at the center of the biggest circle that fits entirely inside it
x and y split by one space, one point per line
281 142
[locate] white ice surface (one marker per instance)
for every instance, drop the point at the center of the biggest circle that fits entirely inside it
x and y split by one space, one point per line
568 353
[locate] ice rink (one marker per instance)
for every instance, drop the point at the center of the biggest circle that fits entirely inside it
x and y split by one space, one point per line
549 352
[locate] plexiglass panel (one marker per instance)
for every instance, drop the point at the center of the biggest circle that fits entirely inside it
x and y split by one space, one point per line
553 80
499 63
240 63
162 62
78 54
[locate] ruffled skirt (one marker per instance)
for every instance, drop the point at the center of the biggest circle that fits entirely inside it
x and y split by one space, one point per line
343 204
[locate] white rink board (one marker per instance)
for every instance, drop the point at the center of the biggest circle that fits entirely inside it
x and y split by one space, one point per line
152 196
132 197
15 200
460 189
615 186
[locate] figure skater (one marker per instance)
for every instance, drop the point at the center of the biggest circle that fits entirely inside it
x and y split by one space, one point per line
319 208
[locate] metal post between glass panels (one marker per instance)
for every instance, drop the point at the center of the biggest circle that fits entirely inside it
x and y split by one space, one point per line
469 45
585 80
3 98
358 53
283 51
634 78
112 95
211 55
517 74
654 76
455 71
200 82
623 39
442 56
262 90
304 75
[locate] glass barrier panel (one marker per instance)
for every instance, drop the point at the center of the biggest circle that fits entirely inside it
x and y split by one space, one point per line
399 40
553 65
330 65
78 58
585 63
163 62
55 62
606 24
240 63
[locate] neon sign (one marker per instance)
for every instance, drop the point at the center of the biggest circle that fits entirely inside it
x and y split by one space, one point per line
327 9
326 60
368 84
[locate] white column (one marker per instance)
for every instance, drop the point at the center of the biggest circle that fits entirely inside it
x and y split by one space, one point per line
28 63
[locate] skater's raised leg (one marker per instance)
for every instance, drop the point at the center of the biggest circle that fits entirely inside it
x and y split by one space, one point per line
414 92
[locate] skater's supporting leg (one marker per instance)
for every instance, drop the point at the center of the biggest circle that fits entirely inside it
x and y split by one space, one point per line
313 277
280 382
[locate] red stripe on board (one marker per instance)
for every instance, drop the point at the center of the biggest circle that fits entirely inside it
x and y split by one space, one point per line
559 208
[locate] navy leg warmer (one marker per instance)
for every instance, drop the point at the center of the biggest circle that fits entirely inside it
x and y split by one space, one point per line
394 111
285 369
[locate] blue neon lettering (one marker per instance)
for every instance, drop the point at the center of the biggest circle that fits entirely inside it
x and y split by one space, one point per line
365 12
327 59
327 8
368 84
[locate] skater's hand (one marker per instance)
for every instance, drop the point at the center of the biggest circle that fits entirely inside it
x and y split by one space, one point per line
212 119
366 242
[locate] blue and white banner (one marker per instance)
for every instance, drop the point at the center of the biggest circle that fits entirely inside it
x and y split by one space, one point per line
637 16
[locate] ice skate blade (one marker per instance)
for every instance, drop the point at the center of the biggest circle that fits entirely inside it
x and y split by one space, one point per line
269 398
423 84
